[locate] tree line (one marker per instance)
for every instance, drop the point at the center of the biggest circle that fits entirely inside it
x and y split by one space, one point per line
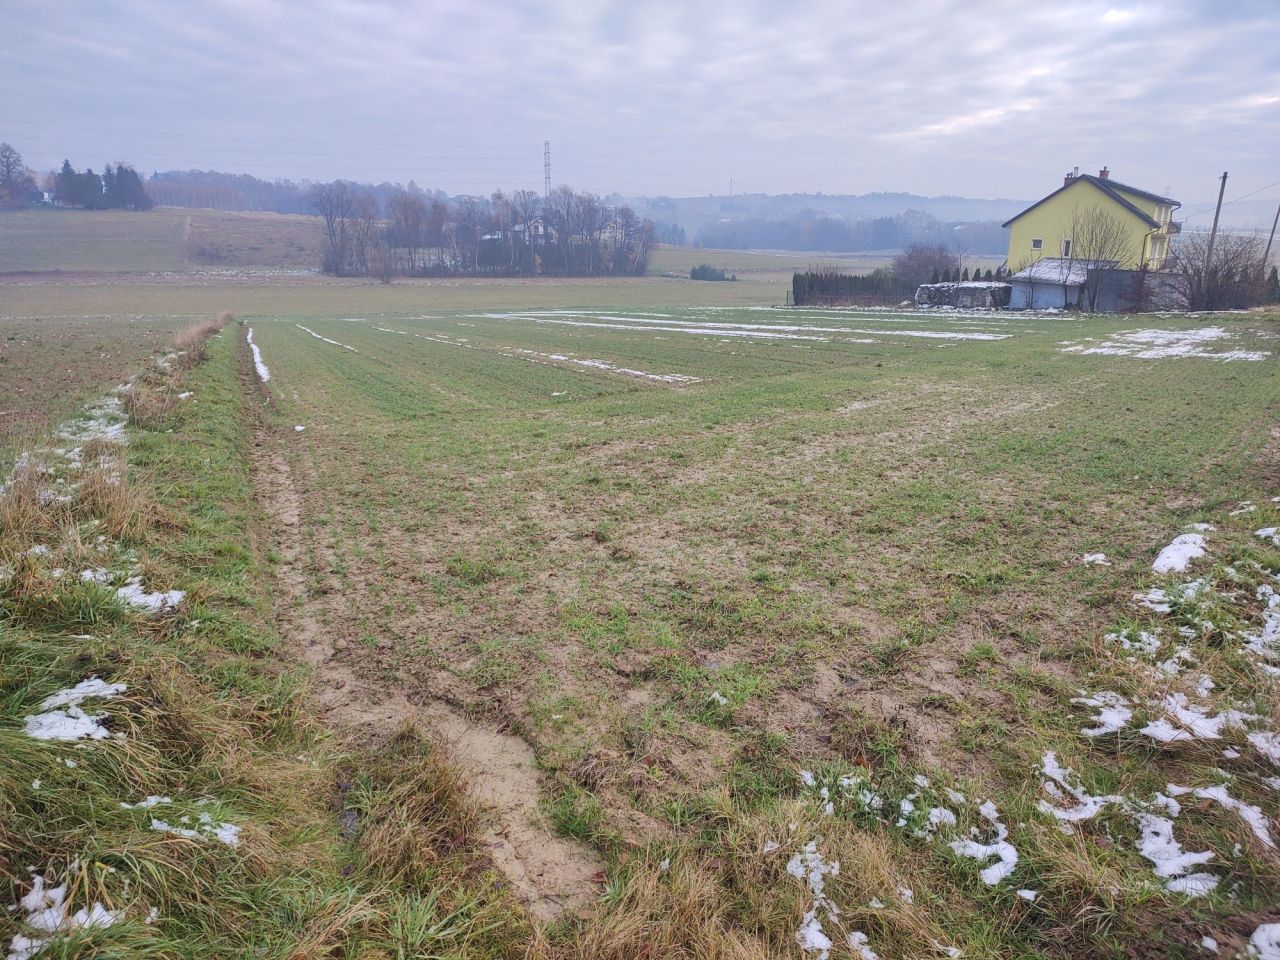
522 234
118 187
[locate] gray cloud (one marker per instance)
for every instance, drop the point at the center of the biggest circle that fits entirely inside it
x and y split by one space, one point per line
985 99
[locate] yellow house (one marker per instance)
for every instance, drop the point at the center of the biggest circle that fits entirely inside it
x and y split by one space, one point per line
1095 218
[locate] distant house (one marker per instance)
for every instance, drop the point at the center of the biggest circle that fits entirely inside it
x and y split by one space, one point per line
1055 226
1089 245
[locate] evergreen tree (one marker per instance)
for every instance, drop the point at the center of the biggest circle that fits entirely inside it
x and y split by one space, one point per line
989 273
64 184
1273 287
89 190
965 275
946 275
934 278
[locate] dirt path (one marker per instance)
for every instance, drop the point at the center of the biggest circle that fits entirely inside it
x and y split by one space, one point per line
553 875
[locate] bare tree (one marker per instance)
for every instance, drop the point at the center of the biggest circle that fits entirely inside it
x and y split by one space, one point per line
363 230
1232 280
1100 240
918 262
17 183
407 211
335 203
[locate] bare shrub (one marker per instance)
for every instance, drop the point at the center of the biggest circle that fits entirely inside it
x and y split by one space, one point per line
124 509
192 341
148 407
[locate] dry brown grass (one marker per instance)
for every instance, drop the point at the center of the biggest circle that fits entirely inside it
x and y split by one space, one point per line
126 510
192 341
26 508
421 817
148 406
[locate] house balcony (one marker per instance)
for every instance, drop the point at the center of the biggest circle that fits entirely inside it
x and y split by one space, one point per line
1170 229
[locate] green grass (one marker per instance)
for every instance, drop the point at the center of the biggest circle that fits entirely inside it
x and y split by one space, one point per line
854 559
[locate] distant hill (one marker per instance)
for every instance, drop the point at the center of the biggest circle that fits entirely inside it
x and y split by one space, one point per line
692 213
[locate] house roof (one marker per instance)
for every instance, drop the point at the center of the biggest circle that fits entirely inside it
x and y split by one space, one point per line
1107 187
1064 271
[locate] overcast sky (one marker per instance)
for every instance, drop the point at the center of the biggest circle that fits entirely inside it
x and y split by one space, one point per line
984 99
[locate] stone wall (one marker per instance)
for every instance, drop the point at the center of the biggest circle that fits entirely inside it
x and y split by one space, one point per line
972 294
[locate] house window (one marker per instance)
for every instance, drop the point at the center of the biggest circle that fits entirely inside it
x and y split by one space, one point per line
1037 244
1066 248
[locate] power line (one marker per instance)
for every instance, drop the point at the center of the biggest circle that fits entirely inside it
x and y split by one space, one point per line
1236 200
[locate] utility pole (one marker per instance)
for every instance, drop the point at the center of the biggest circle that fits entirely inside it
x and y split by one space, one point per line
1267 253
546 169
1213 233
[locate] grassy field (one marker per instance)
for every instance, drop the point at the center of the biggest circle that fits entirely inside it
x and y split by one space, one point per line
754 264
165 239
700 600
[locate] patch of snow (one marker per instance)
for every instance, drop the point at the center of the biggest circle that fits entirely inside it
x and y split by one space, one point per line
720 700
206 829
1184 721
298 428
811 867
1095 559
186 395
1269 533
1251 815
1264 943
326 339
264 372
133 594
48 915
1179 553
1166 344
1137 641
1028 894
1113 712
64 720
1208 943
1059 786
1000 848
82 691
1173 864
859 944
1267 744
151 801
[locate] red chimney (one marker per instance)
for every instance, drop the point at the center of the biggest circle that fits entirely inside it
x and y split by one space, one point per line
1104 174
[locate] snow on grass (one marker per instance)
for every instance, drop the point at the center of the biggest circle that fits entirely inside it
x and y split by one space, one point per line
1264 943
204 827
608 367
1095 560
1004 852
62 717
1136 641
46 912
1184 721
1251 815
1269 533
1266 743
326 339
1165 344
135 595
1173 864
1058 784
264 372
1263 644
1113 712
1179 553
809 866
